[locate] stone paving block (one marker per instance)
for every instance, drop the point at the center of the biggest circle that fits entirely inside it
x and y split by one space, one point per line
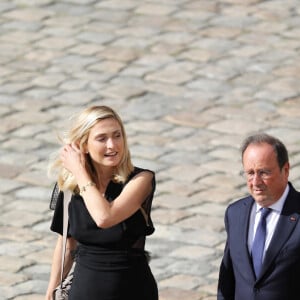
17 249
145 152
49 80
20 218
112 4
199 55
209 208
167 76
23 145
280 133
55 43
288 122
168 186
166 48
34 177
74 97
165 89
31 286
192 252
218 195
3 73
194 156
8 279
13 264
19 37
71 85
122 91
26 14
38 271
184 282
6 5
8 125
156 127
153 9
229 153
141 32
168 216
200 221
42 257
188 173
33 206
191 119
43 226
32 117
27 131
174 201
222 32
19 233
31 26
14 88
7 292
282 89
217 173
33 193
30 297
288 70
200 267
119 54
34 104
178 294
236 127
194 237
9 171
7 185
22 74
209 289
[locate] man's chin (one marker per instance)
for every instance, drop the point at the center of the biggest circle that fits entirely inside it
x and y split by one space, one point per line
263 201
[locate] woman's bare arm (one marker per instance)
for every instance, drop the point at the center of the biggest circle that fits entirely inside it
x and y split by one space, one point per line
56 264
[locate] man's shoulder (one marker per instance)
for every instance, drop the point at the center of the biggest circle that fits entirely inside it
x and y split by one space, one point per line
237 204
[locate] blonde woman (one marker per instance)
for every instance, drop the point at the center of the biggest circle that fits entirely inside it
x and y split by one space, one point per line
109 213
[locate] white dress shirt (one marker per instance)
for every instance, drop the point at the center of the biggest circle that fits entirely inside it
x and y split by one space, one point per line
272 220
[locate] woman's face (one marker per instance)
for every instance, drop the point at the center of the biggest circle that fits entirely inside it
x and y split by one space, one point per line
105 143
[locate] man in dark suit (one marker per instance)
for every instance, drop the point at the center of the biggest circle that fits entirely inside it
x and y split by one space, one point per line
262 253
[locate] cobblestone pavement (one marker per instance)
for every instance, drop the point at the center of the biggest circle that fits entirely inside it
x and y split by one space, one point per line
190 78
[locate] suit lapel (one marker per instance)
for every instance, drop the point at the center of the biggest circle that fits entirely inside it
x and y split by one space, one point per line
287 221
244 228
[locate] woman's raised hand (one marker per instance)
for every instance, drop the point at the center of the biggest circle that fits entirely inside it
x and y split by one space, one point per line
73 159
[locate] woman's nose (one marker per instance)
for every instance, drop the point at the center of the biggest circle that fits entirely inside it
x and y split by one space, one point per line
110 143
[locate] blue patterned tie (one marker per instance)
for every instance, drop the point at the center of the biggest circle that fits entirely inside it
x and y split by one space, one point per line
259 241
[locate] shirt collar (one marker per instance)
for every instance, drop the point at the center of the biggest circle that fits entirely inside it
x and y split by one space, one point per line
278 205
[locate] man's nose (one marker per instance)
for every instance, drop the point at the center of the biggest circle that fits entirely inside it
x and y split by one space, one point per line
256 177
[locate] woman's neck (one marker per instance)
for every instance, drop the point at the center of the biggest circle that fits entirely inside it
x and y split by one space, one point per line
104 176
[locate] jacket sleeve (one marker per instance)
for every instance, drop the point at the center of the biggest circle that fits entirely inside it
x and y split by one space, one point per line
226 283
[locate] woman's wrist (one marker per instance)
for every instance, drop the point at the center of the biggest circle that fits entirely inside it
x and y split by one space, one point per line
83 188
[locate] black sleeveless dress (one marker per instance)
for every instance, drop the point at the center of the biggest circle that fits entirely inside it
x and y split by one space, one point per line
111 264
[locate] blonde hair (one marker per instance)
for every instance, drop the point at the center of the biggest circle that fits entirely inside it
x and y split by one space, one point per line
79 133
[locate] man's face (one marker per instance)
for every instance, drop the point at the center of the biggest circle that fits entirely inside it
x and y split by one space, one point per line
266 182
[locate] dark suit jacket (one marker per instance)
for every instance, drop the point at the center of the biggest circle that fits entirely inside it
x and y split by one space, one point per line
280 275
